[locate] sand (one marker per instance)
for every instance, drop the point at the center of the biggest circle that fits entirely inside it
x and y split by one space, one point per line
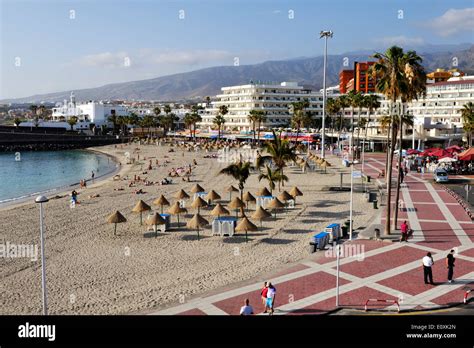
91 271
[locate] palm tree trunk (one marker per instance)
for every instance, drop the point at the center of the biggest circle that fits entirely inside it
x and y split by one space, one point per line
254 140
352 133
388 208
397 194
358 129
258 132
297 133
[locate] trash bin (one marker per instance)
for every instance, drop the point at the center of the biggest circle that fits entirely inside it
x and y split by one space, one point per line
375 204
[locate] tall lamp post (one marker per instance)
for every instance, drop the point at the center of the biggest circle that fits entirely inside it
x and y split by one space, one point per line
41 200
325 34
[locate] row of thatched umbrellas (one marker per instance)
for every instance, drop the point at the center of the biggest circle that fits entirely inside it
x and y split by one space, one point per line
198 221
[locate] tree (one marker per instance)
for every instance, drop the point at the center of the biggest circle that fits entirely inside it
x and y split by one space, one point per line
260 118
279 152
219 120
343 102
34 114
113 118
399 75
17 121
467 114
332 108
354 99
256 117
188 122
157 112
272 176
72 121
371 103
240 171
300 118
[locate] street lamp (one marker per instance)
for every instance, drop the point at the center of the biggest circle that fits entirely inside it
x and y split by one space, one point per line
41 200
325 34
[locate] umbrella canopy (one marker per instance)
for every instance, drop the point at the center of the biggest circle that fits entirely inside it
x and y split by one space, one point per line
413 152
116 218
325 163
161 201
263 192
467 155
181 195
212 195
454 148
285 196
236 203
248 197
260 214
198 203
275 203
440 153
140 207
219 210
155 219
231 189
197 221
245 225
176 209
197 188
295 191
447 160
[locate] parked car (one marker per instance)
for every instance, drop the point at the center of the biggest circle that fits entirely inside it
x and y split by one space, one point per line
440 175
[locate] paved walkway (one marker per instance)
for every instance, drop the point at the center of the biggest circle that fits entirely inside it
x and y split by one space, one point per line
369 269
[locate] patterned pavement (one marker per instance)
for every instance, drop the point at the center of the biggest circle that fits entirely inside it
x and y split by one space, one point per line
369 269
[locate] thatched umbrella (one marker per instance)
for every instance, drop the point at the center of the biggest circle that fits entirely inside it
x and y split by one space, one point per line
116 218
236 203
219 210
140 207
196 222
197 188
212 196
275 204
245 225
161 202
198 203
325 164
181 195
231 189
295 191
155 220
263 192
285 196
176 210
260 214
248 197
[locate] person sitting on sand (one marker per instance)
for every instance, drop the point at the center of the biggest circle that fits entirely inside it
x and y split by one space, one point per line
247 308
139 192
74 197
194 162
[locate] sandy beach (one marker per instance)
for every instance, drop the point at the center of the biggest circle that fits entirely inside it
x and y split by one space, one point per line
91 271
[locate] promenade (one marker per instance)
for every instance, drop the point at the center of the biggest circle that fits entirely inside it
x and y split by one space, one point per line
371 269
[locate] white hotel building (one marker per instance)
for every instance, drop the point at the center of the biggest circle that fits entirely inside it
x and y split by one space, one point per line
274 99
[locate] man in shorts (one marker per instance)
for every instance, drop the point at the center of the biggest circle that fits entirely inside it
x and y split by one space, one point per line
271 292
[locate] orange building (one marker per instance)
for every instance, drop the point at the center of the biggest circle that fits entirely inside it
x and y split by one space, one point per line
344 77
363 81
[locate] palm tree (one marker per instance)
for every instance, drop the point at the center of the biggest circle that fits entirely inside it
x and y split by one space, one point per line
371 102
253 120
188 122
279 152
467 114
17 121
354 99
240 171
72 121
300 118
195 118
343 102
260 118
332 108
219 120
272 176
34 114
399 75
113 118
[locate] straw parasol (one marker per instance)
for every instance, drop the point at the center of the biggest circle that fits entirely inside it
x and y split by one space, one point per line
285 196
212 196
324 164
263 192
275 204
248 197
231 189
198 203
260 214
295 191
140 207
116 218
161 202
219 210
196 222
155 220
245 225
197 188
176 210
181 195
236 203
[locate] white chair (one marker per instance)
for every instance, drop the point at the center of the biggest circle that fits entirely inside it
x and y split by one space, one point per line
227 228
215 227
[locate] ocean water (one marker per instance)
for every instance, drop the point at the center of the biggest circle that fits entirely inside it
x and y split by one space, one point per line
30 173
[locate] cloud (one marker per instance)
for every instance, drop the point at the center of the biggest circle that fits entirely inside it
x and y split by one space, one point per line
106 60
191 57
399 40
453 22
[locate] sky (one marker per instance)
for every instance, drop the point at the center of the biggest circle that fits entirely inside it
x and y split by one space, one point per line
55 45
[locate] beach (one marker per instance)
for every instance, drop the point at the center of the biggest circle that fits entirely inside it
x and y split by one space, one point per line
91 271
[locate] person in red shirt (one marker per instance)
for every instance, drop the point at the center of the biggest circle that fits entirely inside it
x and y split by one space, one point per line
263 294
404 229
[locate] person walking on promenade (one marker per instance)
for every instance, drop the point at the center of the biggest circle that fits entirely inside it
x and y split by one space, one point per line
247 308
263 294
450 259
404 229
270 305
427 271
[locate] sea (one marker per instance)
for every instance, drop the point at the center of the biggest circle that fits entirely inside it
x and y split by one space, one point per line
28 174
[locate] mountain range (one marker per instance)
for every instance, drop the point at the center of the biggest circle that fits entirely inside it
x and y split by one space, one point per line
200 83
